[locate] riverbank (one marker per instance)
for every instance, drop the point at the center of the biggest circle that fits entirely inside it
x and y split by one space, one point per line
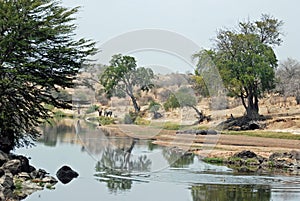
18 178
268 153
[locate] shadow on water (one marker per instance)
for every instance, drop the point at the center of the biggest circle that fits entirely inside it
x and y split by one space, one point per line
125 164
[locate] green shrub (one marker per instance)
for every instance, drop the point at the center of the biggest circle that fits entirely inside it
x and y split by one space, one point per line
92 108
106 120
172 102
213 160
127 119
171 126
59 114
141 121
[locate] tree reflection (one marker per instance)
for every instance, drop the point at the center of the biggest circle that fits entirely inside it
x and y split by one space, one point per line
215 192
116 166
178 158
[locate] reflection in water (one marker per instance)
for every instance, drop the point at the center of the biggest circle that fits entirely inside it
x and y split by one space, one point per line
119 162
231 192
116 166
177 158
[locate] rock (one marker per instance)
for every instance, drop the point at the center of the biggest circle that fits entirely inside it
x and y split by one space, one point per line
3 158
24 162
65 174
245 154
50 180
212 132
24 175
157 115
201 132
14 166
6 181
1 172
38 174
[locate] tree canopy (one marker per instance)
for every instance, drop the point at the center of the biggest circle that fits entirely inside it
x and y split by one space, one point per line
246 60
122 77
38 55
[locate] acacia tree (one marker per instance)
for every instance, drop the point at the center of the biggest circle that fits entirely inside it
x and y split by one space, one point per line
246 60
122 77
38 55
184 97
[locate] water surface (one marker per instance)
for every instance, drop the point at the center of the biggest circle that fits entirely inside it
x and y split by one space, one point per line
121 168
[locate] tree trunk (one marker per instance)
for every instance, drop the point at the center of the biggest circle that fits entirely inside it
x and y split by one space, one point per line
199 113
252 107
135 104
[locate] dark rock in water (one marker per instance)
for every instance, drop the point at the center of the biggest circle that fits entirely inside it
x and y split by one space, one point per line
246 154
65 174
14 166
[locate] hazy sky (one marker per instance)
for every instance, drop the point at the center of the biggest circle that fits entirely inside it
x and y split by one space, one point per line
195 20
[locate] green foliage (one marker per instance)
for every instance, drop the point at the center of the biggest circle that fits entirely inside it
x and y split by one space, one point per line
106 120
59 114
199 85
130 118
141 121
38 55
246 60
171 103
213 160
92 108
154 106
171 126
122 76
184 97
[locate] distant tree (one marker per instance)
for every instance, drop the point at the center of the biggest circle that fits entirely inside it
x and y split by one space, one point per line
246 60
288 75
184 97
38 55
122 77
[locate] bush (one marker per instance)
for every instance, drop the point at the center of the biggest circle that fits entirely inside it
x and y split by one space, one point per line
106 120
92 108
141 121
128 119
171 126
172 102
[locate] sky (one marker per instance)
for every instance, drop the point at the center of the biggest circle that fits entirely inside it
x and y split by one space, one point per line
176 28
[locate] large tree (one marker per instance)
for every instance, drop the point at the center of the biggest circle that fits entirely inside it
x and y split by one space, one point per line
246 60
38 55
122 77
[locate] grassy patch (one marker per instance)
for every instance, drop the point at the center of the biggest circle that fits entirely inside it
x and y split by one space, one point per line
141 121
171 126
213 160
267 134
105 120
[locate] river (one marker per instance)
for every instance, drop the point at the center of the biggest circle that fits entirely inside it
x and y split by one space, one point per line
121 168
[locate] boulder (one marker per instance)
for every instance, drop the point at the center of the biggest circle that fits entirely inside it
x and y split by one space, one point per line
212 132
65 174
38 174
6 181
3 158
25 167
246 154
14 166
